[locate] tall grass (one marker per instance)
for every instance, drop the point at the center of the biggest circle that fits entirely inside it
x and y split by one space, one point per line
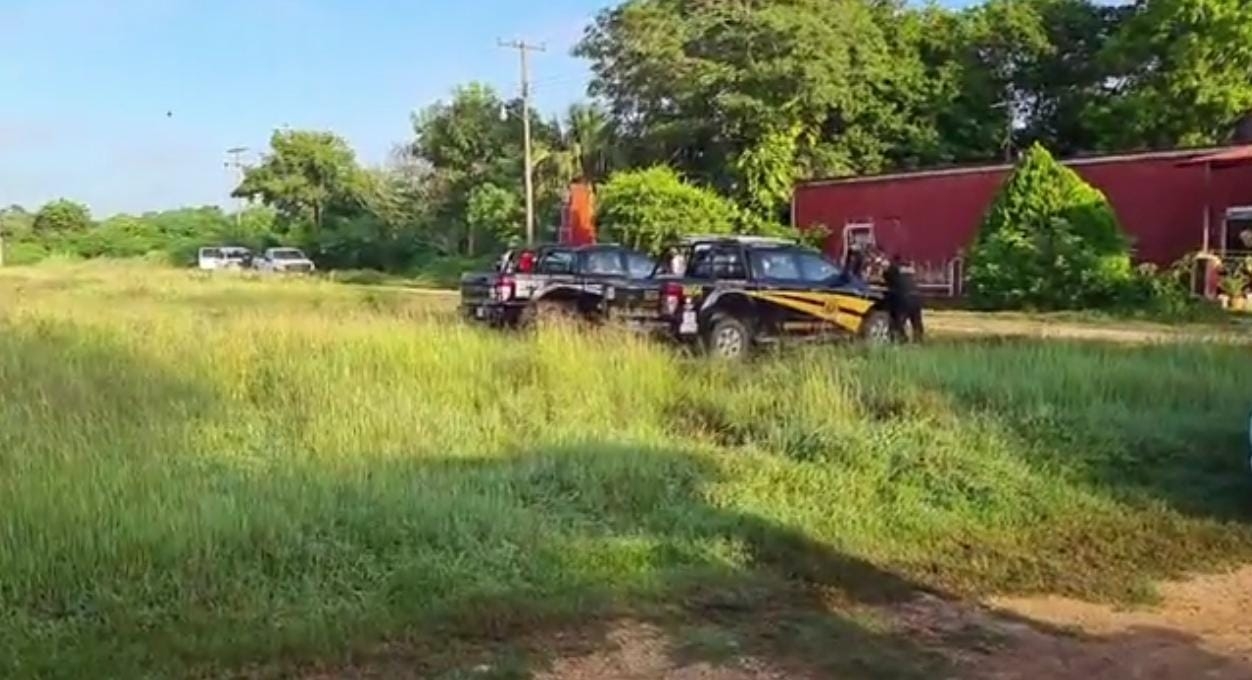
206 473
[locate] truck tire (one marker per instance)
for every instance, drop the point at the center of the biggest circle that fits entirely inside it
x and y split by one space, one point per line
876 328
728 339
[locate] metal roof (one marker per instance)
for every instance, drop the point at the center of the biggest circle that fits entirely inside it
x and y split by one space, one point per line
736 238
1228 158
1184 155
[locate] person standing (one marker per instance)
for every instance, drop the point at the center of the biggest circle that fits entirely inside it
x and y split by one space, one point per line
903 302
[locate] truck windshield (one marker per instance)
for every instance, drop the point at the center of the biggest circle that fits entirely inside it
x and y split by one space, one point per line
289 254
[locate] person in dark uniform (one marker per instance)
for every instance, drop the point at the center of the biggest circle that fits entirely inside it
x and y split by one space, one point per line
903 302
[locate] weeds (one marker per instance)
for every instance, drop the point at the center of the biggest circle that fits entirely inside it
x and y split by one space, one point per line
206 474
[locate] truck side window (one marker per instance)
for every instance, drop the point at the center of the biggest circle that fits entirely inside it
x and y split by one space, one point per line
717 263
775 265
557 262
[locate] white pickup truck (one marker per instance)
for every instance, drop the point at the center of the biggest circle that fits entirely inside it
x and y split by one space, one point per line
224 257
285 261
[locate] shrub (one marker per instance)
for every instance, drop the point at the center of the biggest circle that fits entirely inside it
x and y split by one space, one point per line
1151 290
62 217
1050 241
24 252
647 209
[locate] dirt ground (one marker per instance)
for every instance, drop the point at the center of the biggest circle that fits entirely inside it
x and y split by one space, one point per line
975 324
1200 629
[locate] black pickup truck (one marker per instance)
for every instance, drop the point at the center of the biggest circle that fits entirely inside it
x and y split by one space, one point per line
735 293
600 283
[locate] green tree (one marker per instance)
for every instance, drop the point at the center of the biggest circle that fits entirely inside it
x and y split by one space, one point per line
588 138
766 174
1050 241
61 218
701 85
305 175
494 213
1184 73
475 139
648 209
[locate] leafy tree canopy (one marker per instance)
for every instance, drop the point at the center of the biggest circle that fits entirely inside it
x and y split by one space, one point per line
62 217
305 174
1185 73
648 209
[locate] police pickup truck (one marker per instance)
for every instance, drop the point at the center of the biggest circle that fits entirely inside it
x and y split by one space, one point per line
737 293
599 283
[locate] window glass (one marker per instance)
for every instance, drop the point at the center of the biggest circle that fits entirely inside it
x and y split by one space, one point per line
604 263
775 265
639 266
816 269
717 263
557 262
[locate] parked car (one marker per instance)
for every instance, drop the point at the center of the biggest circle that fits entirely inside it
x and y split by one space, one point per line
224 257
736 293
600 283
285 261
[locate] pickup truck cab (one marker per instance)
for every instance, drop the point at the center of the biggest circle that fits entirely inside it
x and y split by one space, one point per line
596 283
285 261
737 293
215 258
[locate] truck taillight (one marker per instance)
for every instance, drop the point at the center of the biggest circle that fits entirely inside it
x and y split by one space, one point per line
671 298
504 290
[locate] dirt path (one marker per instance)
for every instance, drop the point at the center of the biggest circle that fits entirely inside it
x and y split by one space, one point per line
1202 628
974 324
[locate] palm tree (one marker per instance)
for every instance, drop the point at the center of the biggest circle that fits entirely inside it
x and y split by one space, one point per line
588 139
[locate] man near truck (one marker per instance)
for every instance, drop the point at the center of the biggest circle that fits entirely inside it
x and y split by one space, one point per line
903 302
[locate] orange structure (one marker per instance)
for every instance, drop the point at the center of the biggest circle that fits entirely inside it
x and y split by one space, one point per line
578 219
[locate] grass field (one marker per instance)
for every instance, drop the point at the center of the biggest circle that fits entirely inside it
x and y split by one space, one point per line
200 476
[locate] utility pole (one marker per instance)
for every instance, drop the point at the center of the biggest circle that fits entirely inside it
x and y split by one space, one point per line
524 49
236 162
1011 127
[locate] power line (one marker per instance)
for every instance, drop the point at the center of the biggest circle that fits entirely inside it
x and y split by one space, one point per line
524 49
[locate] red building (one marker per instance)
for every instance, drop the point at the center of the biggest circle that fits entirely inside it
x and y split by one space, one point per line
1171 203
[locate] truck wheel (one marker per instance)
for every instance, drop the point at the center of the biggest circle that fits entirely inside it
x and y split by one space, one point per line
876 328
728 339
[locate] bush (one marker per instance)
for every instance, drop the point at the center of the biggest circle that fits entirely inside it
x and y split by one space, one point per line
24 252
62 217
648 209
1163 293
1050 241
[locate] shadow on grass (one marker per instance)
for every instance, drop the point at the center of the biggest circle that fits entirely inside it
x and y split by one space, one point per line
179 560
1155 429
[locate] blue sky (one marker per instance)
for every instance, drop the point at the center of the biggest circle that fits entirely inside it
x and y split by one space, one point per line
87 84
